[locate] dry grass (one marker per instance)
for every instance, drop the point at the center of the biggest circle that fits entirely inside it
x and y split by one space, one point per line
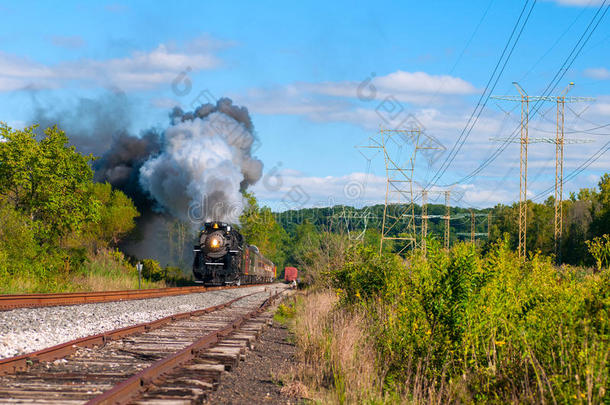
114 282
107 271
295 389
337 360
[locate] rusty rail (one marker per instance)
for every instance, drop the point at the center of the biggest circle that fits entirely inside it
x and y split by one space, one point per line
124 392
8 302
19 363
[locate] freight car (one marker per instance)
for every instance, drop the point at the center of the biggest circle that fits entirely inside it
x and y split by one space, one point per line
223 258
290 274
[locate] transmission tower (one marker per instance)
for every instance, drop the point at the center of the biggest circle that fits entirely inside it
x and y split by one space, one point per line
353 222
473 234
525 140
472 227
447 217
399 148
424 219
559 143
489 225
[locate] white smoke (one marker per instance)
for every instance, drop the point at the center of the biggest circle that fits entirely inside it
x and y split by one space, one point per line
202 168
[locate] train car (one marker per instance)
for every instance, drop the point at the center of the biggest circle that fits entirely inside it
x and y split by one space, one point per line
223 258
290 274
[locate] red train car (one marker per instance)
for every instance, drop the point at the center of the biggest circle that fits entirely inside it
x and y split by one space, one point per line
290 274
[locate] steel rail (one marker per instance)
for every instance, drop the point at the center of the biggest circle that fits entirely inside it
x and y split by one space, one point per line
8 302
19 363
125 391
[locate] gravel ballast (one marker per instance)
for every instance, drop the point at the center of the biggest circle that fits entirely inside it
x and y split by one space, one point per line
26 330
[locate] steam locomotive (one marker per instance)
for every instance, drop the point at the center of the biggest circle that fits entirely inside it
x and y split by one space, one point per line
223 258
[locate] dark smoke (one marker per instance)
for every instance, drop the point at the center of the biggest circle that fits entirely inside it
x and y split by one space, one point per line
194 170
92 123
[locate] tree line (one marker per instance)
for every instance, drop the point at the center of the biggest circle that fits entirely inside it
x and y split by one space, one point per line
53 217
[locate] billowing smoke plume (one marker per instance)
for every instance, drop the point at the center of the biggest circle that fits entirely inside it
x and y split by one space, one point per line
204 163
194 170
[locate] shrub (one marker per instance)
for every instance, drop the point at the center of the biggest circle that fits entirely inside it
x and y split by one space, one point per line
599 248
468 327
151 270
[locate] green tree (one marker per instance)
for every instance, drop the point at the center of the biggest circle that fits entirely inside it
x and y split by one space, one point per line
601 209
116 216
47 180
600 250
18 247
258 226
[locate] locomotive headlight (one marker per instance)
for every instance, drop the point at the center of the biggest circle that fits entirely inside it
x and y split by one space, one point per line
214 242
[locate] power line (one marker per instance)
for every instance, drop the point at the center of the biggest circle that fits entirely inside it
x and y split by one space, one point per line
592 159
484 98
582 41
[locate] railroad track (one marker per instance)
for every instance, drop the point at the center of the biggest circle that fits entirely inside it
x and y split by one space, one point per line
8 302
169 361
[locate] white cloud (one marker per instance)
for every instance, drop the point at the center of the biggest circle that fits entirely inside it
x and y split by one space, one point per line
578 3
16 73
290 189
390 101
411 87
598 73
601 109
140 70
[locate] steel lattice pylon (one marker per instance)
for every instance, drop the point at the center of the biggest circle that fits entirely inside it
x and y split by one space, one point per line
473 234
447 217
424 219
559 143
399 148
355 222
525 140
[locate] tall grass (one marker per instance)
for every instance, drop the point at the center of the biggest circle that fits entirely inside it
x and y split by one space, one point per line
458 326
336 356
105 270
108 270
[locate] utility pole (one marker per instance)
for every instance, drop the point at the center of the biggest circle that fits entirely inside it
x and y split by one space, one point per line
424 219
447 217
472 226
488 225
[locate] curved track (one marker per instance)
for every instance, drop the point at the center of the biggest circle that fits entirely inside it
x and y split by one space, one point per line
8 302
180 356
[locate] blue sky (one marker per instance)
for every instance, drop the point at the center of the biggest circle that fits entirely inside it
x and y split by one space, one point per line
297 68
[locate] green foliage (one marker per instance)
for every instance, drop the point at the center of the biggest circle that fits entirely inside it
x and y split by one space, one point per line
490 328
258 226
174 275
285 312
316 254
47 180
152 270
18 247
117 214
599 248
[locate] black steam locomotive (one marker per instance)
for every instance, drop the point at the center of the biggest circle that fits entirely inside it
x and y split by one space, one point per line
223 258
